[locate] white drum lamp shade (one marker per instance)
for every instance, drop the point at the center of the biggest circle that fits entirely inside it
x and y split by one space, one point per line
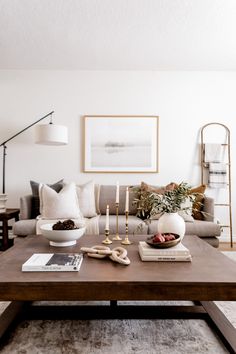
51 134
47 134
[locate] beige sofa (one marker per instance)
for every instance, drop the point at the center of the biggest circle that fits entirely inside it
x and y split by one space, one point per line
206 229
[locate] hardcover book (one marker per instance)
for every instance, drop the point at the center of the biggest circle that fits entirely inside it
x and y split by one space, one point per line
53 262
178 253
177 250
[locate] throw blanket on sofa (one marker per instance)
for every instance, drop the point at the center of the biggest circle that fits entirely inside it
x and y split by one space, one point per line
92 224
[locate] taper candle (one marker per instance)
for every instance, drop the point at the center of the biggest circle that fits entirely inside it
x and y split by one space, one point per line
117 192
107 218
127 200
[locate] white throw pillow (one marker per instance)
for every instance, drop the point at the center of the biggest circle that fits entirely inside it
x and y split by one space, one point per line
86 197
62 205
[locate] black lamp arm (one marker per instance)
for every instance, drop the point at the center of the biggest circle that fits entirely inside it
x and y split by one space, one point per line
4 146
29 126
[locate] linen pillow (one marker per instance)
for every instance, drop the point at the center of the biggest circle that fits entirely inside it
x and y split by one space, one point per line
147 188
197 204
86 198
62 205
35 211
158 190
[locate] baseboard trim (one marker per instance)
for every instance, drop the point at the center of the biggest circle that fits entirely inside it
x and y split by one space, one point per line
226 238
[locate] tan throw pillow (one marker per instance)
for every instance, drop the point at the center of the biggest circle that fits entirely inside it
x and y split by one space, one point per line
158 190
171 186
86 197
147 188
197 204
62 205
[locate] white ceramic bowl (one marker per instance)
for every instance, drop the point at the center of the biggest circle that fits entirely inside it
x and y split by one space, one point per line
61 238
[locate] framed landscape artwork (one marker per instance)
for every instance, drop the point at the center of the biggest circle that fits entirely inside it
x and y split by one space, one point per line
120 144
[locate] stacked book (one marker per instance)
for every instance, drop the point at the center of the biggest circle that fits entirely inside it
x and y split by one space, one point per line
176 253
53 262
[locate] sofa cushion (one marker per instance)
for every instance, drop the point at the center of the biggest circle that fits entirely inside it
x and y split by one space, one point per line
203 228
107 196
24 227
86 197
136 225
62 205
35 211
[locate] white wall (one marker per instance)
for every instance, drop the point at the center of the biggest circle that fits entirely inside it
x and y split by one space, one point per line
184 101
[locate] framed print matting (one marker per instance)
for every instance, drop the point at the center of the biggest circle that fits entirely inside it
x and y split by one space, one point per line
121 143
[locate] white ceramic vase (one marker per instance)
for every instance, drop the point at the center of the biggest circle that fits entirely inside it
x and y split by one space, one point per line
171 223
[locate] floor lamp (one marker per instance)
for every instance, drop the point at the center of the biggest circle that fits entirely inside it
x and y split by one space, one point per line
46 134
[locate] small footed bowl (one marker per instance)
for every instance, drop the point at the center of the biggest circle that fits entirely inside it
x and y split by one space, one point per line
61 238
165 244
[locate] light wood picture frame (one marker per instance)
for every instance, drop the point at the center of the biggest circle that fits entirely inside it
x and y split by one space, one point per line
120 143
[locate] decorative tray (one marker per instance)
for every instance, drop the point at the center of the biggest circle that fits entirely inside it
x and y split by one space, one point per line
165 244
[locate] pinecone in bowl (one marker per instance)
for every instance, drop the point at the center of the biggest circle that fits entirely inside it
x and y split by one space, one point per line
65 225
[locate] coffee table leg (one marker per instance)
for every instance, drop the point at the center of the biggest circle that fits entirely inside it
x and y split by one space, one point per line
224 327
9 314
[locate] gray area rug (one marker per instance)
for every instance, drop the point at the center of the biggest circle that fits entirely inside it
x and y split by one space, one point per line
112 336
117 336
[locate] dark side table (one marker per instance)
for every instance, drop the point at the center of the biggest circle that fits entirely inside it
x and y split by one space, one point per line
4 217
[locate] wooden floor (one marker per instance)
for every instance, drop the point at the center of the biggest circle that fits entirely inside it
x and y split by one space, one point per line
225 246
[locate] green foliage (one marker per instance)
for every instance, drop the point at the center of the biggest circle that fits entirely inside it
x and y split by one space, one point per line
149 204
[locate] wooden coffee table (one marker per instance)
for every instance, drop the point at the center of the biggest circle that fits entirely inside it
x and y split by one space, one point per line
210 276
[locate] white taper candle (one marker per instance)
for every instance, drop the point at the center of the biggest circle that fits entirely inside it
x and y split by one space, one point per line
117 192
107 218
127 200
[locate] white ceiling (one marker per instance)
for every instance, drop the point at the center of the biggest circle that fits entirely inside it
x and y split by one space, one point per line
118 34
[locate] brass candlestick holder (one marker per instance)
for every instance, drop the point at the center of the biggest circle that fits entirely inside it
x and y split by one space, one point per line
107 241
126 240
117 237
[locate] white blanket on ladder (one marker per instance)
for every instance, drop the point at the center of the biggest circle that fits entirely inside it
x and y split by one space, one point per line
217 175
212 153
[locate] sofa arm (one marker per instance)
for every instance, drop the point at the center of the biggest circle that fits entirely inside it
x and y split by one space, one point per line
25 207
208 209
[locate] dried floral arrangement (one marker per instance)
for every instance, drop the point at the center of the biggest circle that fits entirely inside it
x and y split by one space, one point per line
149 204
